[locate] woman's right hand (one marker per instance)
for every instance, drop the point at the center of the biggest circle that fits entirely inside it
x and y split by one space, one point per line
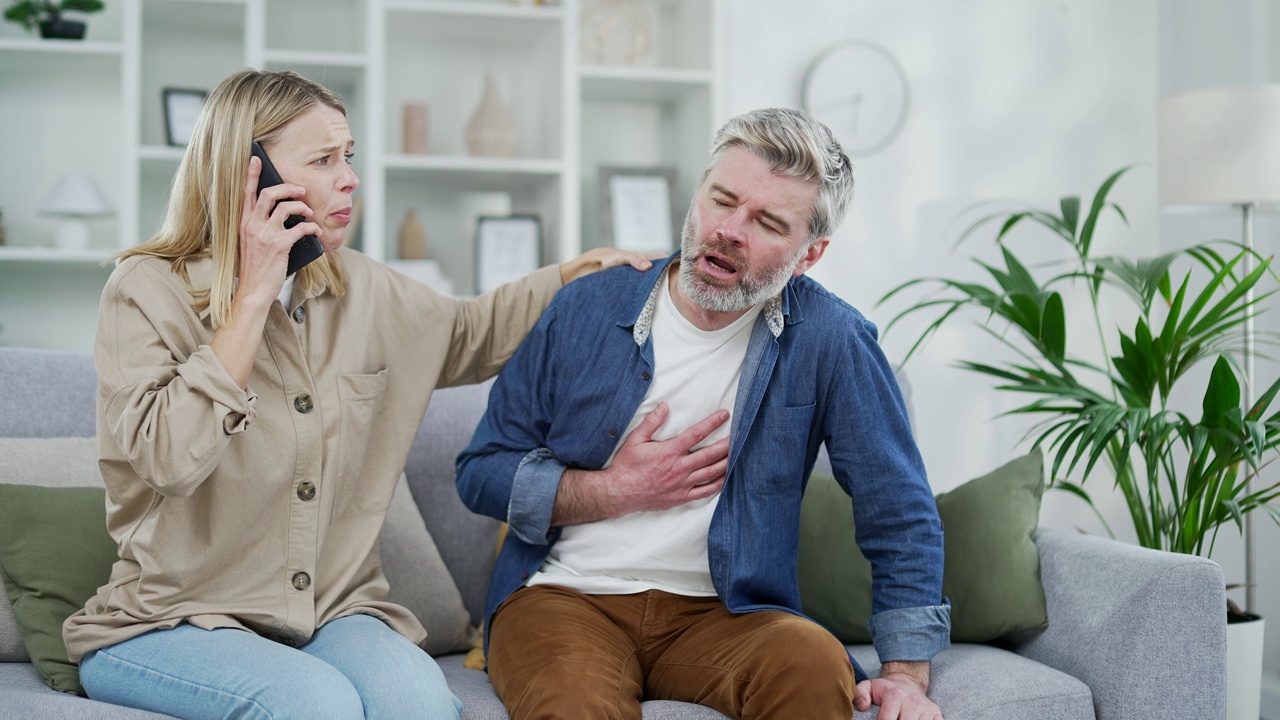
264 257
264 240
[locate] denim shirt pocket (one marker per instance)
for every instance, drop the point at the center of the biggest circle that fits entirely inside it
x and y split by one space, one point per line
780 446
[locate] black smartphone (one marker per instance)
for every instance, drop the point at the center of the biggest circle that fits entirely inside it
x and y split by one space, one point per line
306 249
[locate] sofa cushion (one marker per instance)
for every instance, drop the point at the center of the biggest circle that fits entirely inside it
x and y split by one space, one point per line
971 682
992 567
57 462
54 555
478 697
47 393
25 696
419 579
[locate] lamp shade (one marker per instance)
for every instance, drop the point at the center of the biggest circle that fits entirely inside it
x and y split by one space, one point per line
1220 147
75 196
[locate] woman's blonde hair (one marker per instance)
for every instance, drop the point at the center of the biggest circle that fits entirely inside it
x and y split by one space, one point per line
206 198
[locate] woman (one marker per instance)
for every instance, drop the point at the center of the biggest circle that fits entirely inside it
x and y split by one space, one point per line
252 428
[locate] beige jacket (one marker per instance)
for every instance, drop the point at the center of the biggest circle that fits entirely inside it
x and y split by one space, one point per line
261 510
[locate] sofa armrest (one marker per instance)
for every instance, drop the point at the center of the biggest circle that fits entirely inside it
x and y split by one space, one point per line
1145 630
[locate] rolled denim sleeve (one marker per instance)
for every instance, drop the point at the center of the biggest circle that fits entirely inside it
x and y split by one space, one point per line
911 634
533 496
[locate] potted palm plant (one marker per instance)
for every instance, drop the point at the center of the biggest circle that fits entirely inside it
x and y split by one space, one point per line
47 15
1184 473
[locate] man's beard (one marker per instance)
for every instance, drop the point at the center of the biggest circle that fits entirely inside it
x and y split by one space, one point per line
746 290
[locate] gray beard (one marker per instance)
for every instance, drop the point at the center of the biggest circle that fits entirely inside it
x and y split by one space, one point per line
749 290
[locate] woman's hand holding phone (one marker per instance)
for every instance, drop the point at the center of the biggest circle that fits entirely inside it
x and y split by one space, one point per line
265 238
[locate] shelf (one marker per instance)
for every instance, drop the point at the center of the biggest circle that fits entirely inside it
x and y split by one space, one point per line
161 153
333 70
489 172
489 10
45 254
317 59
641 84
69 47
378 56
477 22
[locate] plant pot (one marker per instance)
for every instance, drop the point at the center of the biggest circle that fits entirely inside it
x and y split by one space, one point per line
62 29
1244 669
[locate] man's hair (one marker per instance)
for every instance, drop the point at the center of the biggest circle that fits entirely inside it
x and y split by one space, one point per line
207 195
795 145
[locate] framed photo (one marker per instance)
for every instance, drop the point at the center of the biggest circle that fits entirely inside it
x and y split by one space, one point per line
507 248
181 110
638 208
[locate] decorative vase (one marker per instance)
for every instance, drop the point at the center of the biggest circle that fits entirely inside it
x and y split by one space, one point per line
491 131
415 129
1244 668
413 238
617 32
59 29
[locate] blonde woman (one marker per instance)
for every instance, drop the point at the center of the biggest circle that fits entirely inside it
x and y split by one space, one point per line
252 428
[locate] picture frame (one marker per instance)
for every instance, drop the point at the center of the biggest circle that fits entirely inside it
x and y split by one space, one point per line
508 247
639 207
181 110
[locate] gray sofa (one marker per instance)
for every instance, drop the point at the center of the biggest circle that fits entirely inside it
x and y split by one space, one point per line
1132 633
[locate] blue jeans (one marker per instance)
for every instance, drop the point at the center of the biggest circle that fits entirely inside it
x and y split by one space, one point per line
354 667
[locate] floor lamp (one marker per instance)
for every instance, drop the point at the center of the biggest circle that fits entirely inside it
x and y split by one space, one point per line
1218 148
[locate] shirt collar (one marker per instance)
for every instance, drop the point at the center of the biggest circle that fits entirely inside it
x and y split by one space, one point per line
772 312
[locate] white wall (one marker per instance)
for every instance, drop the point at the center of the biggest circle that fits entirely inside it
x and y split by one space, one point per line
1025 99
1011 99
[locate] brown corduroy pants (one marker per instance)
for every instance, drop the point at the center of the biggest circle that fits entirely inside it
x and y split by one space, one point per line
558 653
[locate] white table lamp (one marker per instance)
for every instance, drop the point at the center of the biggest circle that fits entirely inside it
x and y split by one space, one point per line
74 198
1221 148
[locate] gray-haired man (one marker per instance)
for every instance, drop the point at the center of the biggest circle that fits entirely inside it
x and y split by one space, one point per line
663 565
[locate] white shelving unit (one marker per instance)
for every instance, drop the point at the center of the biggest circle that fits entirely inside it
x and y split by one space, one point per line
94 107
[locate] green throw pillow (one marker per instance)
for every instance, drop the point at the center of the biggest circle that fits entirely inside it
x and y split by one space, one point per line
992 568
54 555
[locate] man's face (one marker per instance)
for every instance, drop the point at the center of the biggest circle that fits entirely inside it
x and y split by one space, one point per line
746 234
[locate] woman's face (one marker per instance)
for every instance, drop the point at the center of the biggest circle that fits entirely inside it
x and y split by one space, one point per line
314 150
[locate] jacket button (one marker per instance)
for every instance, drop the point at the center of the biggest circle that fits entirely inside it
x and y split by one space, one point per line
301 581
299 314
306 490
303 403
613 433
643 376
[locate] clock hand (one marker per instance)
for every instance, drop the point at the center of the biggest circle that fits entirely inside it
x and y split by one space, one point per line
854 99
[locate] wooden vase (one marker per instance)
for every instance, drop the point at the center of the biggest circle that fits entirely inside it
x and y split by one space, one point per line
415 129
413 238
492 129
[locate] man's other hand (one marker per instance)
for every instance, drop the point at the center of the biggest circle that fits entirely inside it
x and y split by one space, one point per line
900 691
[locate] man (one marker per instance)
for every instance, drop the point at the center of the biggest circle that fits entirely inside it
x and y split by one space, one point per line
663 566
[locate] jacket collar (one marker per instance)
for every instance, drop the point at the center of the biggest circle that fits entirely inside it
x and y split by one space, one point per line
776 312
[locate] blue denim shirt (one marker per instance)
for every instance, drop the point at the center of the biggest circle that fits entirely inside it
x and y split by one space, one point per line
813 374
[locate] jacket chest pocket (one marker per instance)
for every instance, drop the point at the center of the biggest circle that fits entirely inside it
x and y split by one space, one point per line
782 439
360 399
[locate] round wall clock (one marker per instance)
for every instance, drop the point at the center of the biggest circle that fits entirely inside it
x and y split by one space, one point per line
860 90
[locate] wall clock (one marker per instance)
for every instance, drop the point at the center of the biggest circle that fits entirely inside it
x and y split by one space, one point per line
860 90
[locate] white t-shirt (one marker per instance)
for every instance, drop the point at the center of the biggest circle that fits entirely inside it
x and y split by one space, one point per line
696 373
286 292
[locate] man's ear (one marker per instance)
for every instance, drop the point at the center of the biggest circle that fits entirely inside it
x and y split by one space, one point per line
812 255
